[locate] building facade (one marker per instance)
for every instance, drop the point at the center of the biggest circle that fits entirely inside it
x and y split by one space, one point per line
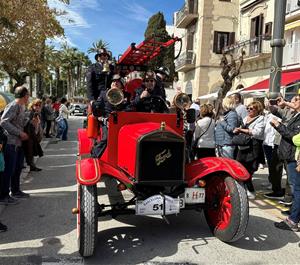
254 36
209 25
291 56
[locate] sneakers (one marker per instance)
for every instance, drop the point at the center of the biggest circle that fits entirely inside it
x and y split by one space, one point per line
3 228
8 201
287 224
251 195
274 196
20 195
286 203
286 213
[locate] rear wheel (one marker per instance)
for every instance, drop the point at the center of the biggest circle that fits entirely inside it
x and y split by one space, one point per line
87 223
228 212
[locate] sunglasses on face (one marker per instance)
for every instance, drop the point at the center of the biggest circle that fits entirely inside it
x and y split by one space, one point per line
250 108
149 80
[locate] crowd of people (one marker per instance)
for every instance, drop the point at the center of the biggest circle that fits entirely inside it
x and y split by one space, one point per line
22 127
251 134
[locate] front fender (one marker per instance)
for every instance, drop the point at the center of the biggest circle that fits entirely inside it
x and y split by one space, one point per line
90 170
205 166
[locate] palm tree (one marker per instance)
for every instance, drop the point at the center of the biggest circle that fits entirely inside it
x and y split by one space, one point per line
98 45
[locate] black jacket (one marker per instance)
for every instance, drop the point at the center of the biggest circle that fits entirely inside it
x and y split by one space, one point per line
287 149
138 103
107 108
97 81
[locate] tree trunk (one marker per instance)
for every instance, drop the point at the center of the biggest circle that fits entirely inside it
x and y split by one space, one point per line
229 72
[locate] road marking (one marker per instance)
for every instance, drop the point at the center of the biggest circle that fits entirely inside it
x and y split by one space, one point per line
275 203
73 155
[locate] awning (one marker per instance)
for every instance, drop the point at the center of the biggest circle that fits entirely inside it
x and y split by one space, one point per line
214 96
286 78
292 25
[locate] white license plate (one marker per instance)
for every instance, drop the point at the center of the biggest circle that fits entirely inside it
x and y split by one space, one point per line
155 205
76 110
194 195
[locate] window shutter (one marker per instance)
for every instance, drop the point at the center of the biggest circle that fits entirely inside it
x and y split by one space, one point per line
215 46
231 38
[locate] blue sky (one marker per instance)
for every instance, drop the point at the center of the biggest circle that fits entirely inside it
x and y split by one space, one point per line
119 22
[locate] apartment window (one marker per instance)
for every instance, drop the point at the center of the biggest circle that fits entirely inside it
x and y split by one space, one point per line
268 30
221 40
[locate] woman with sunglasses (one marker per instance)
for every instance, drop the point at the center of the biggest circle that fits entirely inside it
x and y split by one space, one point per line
248 156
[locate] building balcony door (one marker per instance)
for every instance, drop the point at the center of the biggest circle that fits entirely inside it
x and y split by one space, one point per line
256 33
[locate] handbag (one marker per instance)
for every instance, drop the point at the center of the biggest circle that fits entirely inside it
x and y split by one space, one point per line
241 139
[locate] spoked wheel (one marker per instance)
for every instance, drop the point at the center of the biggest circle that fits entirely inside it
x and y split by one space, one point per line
228 211
87 219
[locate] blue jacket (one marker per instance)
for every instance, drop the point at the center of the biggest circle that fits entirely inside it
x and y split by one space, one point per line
224 128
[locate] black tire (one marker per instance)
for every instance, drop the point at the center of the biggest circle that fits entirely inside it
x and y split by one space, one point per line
228 219
88 224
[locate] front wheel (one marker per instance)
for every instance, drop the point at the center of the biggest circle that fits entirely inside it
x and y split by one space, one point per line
88 220
228 208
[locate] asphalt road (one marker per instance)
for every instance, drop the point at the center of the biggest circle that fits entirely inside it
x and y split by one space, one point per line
42 229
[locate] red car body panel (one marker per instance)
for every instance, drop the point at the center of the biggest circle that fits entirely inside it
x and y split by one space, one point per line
205 166
90 170
129 136
84 143
127 118
129 128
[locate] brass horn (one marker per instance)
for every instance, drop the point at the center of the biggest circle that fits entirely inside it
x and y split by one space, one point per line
106 68
182 101
115 96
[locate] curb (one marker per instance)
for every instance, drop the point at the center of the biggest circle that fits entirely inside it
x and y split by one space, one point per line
24 174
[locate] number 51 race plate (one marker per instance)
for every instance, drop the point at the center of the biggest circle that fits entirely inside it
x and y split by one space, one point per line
155 205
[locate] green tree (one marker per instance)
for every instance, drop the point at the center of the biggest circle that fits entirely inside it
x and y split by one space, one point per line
157 29
23 32
98 45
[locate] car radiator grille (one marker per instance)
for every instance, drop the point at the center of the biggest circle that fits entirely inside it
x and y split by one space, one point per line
161 160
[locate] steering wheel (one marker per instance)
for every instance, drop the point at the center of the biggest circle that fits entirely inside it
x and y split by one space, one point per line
154 103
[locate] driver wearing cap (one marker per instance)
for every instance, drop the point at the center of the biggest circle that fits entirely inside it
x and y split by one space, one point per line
149 89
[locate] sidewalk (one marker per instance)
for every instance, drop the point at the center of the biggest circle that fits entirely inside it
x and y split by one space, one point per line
26 171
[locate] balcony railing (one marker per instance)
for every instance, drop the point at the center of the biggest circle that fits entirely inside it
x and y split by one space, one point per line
291 54
185 62
292 6
252 47
187 14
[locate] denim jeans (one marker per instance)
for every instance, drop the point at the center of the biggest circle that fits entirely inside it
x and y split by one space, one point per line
226 151
62 130
294 179
10 179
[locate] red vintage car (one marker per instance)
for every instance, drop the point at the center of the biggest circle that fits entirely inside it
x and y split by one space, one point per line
146 154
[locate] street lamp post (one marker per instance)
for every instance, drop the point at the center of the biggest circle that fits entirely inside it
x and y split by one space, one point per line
277 44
